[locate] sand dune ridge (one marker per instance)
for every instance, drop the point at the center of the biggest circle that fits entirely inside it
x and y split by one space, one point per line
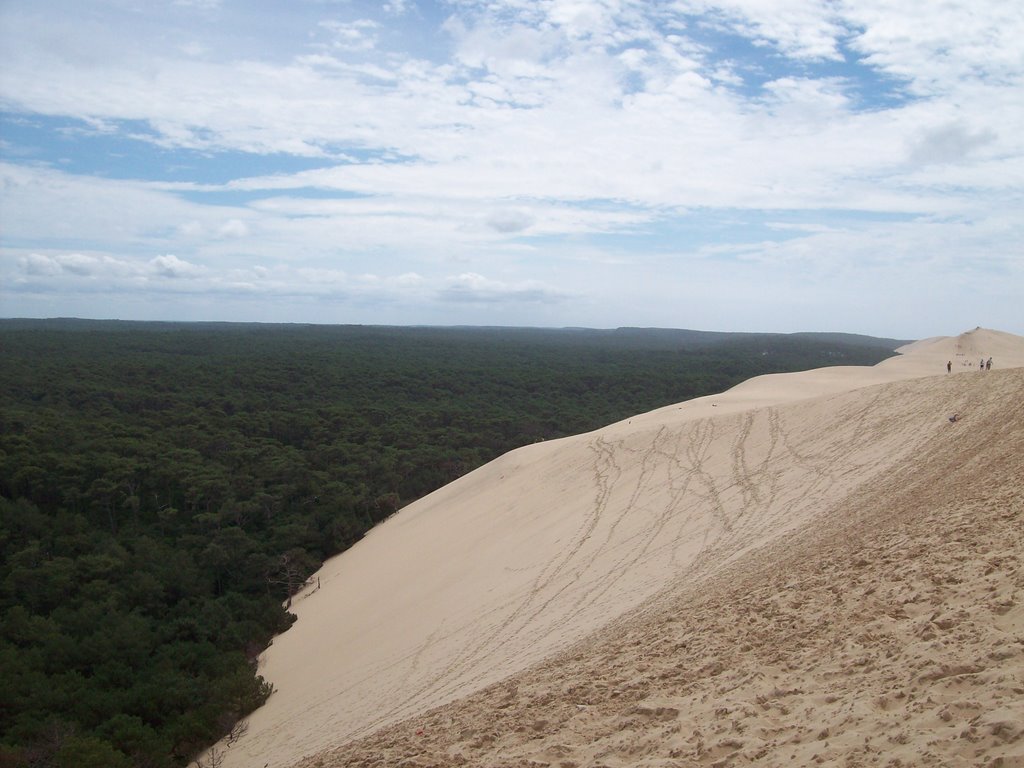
594 558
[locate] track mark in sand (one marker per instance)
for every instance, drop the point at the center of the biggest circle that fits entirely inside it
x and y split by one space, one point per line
699 506
755 491
702 435
607 472
821 456
464 668
460 670
791 596
638 545
822 462
431 639
686 460
674 460
741 472
744 493
726 483
774 442
753 472
667 454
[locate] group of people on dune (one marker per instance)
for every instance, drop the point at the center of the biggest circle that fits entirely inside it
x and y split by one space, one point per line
983 365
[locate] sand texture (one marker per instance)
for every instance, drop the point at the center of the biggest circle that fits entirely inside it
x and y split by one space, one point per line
814 568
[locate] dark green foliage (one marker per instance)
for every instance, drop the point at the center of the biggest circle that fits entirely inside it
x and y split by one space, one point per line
165 488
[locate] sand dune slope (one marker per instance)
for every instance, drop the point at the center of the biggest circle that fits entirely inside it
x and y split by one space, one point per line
788 568
889 632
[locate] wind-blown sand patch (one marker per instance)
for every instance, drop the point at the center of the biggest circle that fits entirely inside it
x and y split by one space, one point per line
813 567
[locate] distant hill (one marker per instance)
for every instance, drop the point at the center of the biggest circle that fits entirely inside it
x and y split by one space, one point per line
853 338
631 336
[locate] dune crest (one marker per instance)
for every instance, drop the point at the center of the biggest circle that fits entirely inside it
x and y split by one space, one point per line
560 550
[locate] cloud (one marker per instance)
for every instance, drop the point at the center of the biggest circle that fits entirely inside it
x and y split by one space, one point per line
396 7
509 221
81 264
410 279
173 267
233 228
37 264
952 47
597 118
190 229
948 143
105 267
803 29
359 35
470 287
74 264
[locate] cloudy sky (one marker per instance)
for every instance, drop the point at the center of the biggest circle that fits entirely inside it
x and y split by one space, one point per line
757 165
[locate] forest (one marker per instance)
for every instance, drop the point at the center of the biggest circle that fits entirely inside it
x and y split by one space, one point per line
166 487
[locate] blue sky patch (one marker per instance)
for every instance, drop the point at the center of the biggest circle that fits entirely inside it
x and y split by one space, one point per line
127 149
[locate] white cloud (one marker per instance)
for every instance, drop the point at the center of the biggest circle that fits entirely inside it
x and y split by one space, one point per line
938 48
80 265
396 7
359 35
470 287
171 266
948 143
804 29
510 221
41 265
233 228
190 229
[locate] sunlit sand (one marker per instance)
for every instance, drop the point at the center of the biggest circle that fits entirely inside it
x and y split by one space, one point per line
818 567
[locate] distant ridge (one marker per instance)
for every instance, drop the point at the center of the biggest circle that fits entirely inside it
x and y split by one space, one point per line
853 338
662 335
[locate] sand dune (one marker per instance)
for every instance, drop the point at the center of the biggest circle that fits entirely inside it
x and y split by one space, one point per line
813 567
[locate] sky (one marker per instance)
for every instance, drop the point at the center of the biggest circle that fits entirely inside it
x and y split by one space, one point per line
740 165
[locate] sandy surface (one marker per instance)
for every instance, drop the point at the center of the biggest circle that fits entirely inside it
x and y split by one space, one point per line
810 568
